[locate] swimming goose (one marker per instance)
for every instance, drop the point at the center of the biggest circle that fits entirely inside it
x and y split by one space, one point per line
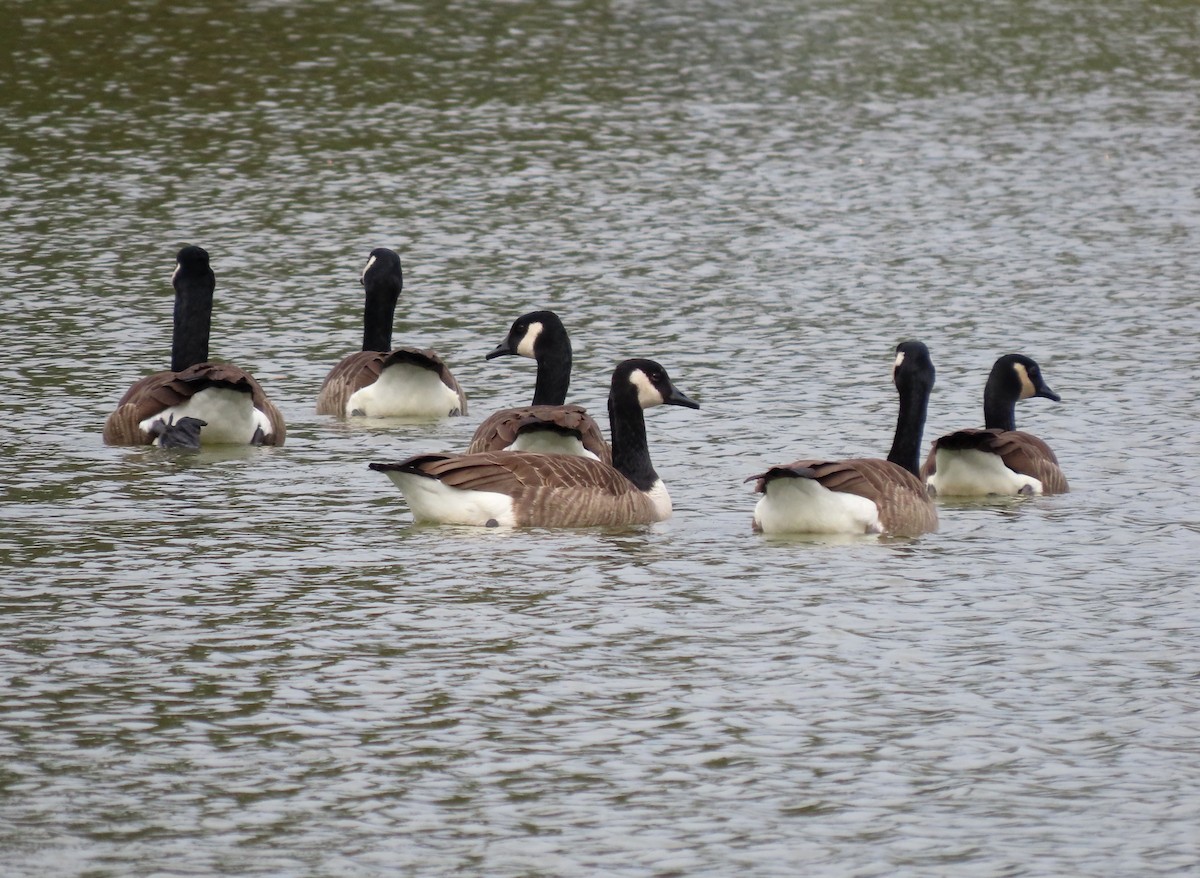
520 489
548 426
382 382
861 495
999 459
224 400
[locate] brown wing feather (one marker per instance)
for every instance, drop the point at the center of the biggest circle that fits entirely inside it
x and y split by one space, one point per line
548 490
362 369
500 429
163 390
905 508
1021 452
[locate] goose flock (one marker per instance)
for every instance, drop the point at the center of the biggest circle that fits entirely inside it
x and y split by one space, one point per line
547 464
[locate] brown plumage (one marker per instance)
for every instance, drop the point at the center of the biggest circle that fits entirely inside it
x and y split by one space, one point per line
160 391
363 368
904 508
503 428
1020 452
403 382
246 417
546 490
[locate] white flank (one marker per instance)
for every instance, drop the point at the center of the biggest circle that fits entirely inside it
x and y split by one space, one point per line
432 502
231 416
973 473
404 391
804 506
529 339
549 442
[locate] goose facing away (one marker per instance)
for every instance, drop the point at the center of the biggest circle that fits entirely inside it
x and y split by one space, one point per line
216 403
999 459
548 426
382 382
861 495
519 489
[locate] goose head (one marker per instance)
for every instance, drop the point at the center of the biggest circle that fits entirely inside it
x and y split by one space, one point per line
648 383
1014 377
1018 377
913 369
191 267
534 335
382 273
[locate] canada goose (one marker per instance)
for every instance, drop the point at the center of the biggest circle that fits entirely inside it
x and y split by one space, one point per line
382 382
226 400
862 495
548 425
520 489
999 459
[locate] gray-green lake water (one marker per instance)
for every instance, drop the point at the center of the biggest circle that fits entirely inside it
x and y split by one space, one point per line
249 662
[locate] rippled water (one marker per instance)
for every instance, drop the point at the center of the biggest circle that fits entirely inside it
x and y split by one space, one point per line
250 662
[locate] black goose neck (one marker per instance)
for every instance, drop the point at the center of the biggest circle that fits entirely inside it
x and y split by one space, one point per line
910 423
379 312
193 318
630 451
553 373
1000 401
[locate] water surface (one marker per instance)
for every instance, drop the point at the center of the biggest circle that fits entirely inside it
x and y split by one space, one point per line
251 662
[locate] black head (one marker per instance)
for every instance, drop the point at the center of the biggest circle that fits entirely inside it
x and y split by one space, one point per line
191 263
383 267
533 335
913 368
650 383
1015 376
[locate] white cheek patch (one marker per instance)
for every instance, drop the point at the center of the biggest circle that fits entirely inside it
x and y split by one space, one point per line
896 365
362 277
175 273
648 395
1027 388
528 340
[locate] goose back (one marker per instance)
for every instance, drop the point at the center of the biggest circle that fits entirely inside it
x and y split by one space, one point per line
1021 457
436 389
245 414
554 429
534 490
897 501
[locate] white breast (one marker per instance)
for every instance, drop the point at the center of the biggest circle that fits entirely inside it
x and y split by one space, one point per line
661 499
